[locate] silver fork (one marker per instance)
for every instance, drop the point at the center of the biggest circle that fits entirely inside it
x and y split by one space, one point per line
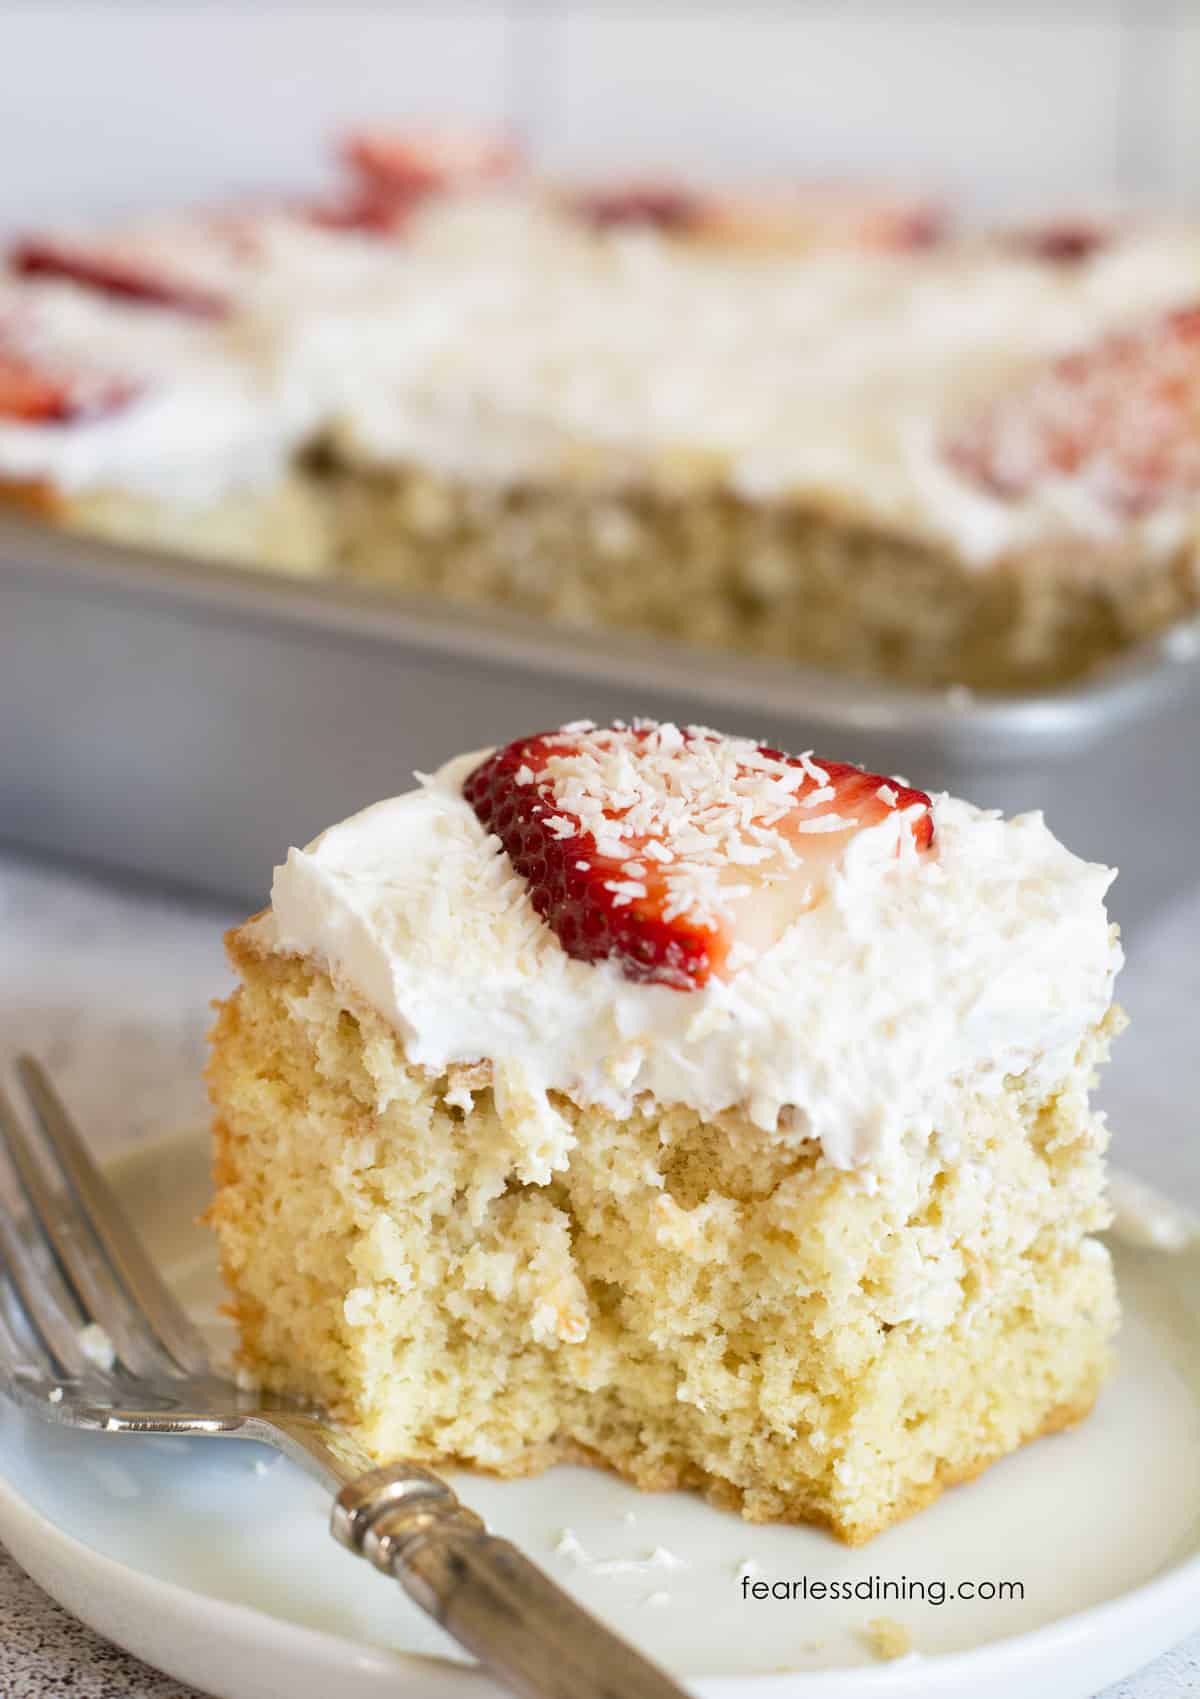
73 1262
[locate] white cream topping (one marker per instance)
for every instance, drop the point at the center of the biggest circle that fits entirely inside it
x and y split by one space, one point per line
528 349
204 415
910 980
217 405
500 341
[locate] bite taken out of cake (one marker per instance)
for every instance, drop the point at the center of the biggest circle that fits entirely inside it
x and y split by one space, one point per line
648 1097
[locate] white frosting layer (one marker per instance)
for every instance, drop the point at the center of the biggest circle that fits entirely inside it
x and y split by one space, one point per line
218 406
205 416
500 341
526 349
912 981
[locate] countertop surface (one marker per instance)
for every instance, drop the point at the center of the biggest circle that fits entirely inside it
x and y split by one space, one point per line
110 986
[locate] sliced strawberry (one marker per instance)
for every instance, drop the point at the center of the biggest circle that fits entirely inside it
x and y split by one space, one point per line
413 163
113 273
1063 241
34 394
665 849
363 211
29 395
1122 416
903 228
809 216
656 206
827 216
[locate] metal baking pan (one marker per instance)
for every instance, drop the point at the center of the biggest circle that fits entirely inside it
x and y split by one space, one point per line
190 721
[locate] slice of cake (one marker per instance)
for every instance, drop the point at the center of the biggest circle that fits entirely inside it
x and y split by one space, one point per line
653 1098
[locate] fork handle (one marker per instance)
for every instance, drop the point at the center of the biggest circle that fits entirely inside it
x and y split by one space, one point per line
526 1631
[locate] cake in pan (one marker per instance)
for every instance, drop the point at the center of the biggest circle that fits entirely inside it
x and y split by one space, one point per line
950 463
813 423
651 1098
152 426
151 389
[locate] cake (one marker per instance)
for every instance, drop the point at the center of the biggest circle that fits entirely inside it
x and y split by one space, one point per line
149 392
807 455
148 424
810 421
647 1097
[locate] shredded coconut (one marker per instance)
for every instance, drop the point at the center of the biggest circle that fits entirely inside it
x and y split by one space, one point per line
697 804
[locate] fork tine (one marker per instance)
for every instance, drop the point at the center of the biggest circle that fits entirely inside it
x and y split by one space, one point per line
26 1367
79 1257
21 1355
17 1336
165 1316
41 1307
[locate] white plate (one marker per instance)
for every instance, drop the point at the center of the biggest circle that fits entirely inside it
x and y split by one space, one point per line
213 1561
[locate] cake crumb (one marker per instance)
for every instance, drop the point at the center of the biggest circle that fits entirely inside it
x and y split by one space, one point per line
55 1395
569 1545
630 1518
1182 643
96 1346
747 1570
659 1598
659 1558
888 1638
1145 1217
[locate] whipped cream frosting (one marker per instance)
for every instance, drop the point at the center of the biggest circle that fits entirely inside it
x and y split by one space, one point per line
912 980
527 349
217 405
501 340
204 415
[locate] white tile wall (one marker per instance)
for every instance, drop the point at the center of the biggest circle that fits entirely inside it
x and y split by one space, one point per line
118 102
114 103
1170 60
965 95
